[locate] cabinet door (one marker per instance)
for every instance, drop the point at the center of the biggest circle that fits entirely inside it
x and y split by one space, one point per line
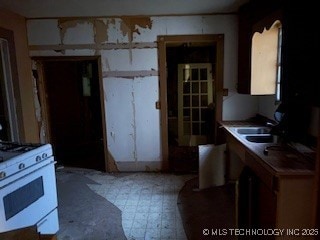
253 16
244 50
256 203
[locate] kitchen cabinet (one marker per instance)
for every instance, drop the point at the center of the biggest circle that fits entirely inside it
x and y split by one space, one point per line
275 191
300 38
244 49
252 17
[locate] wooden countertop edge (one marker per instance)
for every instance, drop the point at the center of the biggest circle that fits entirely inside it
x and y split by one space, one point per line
252 148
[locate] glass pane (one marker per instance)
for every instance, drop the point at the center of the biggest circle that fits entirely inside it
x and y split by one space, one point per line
186 87
186 113
195 115
195 129
186 74
203 116
203 74
186 128
195 101
204 87
204 100
204 129
186 101
195 87
195 75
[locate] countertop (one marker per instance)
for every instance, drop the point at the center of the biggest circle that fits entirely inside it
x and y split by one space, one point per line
281 160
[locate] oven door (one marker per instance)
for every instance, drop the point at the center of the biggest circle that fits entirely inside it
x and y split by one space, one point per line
28 199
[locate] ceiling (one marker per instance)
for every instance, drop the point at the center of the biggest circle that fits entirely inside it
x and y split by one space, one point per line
94 8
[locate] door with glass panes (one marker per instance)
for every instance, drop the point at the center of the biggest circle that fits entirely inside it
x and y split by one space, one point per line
195 94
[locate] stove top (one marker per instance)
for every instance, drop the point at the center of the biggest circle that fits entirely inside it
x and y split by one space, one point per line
16 157
9 150
17 147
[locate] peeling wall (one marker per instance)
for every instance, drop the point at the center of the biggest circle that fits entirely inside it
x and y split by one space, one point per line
97 29
130 25
129 58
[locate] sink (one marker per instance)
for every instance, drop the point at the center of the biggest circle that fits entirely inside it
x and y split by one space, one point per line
268 138
253 130
254 134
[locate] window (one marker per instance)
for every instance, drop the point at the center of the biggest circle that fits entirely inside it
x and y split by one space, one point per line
265 61
279 64
8 116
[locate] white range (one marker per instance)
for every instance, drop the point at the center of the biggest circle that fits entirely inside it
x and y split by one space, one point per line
28 193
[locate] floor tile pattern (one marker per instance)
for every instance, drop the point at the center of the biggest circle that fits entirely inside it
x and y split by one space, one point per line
148 202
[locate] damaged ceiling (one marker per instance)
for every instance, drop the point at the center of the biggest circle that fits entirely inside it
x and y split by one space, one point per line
94 8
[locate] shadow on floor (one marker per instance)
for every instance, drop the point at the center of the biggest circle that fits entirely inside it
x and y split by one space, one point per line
82 213
184 159
203 212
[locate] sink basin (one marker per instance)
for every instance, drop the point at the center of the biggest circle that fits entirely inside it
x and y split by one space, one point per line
260 138
253 130
254 134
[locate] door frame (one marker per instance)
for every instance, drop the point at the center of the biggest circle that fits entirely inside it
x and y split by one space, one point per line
42 95
207 40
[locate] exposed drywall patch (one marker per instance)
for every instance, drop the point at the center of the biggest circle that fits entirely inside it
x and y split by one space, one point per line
100 27
65 23
100 31
128 25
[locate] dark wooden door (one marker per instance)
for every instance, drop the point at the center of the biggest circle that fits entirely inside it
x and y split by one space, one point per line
75 117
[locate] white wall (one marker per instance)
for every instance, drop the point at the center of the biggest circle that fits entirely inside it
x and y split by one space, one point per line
132 121
267 106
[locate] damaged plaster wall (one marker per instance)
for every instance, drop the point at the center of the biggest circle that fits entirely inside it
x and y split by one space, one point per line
129 62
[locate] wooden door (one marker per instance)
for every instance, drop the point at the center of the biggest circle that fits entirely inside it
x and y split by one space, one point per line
74 110
195 100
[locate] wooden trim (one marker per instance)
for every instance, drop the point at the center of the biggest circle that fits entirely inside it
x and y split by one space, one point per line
108 166
106 46
130 74
316 191
163 101
135 16
219 86
163 42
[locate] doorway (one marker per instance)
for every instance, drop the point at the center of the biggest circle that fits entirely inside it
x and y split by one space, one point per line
73 110
191 82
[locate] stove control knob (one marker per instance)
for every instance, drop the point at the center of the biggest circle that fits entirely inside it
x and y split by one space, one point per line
22 166
2 175
38 159
44 155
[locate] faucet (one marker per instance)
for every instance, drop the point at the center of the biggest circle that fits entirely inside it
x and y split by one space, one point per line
270 124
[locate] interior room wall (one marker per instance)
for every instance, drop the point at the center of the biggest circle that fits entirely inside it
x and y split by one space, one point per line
267 106
17 24
129 63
